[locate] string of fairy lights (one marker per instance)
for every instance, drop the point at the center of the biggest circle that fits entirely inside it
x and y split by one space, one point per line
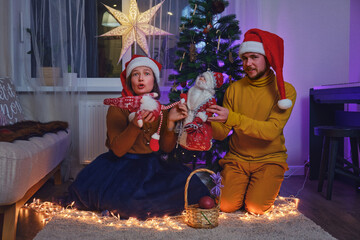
283 207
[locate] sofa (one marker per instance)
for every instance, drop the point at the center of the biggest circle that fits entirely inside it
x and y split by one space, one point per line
27 163
31 152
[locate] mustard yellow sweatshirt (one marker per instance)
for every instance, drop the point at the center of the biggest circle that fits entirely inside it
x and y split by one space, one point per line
256 120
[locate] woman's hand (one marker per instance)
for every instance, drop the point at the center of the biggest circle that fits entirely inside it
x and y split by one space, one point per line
176 113
221 113
146 116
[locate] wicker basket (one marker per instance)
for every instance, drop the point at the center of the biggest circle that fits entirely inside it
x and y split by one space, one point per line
197 217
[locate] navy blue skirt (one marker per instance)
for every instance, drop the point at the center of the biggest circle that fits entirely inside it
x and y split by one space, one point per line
134 185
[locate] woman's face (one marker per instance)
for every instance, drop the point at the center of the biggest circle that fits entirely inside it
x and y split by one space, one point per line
142 80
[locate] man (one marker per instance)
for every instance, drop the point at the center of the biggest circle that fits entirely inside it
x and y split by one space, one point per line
256 108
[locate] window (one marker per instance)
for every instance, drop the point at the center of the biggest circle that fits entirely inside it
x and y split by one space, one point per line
102 53
161 48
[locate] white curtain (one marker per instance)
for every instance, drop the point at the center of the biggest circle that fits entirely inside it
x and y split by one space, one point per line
163 48
5 50
58 65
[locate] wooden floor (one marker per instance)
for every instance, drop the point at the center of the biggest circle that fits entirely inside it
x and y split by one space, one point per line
340 216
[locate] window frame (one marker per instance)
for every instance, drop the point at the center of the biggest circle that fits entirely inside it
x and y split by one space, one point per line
22 18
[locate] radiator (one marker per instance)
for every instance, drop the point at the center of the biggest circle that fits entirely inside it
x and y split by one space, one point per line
92 130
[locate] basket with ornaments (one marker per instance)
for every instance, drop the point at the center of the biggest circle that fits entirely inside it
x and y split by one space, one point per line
205 214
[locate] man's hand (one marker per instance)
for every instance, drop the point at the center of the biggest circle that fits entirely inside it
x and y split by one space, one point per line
220 113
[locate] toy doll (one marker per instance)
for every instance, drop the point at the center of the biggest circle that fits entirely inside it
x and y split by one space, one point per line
197 133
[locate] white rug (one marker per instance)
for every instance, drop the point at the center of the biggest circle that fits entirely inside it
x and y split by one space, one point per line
281 223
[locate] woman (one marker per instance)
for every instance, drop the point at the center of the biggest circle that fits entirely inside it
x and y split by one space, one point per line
130 179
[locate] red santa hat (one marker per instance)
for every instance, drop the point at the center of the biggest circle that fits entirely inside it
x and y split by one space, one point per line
271 46
137 61
219 79
216 78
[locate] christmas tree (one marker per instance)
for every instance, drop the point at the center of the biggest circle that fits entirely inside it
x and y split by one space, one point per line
207 41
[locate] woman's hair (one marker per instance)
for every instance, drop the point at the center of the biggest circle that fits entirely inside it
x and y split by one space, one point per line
155 89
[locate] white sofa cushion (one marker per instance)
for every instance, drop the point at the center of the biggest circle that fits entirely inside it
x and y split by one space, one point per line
24 162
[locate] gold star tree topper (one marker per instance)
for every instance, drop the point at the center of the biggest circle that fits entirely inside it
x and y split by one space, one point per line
134 27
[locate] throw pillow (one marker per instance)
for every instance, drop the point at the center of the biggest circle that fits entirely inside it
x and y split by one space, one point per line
10 109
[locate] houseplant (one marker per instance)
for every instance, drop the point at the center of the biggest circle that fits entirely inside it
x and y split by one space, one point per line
69 77
44 52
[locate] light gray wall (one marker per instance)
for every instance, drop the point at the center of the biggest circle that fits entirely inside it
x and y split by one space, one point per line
354 64
316 34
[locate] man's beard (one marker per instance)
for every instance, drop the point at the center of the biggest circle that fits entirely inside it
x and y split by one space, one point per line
258 76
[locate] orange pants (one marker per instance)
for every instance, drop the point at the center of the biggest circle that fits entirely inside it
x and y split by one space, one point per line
252 185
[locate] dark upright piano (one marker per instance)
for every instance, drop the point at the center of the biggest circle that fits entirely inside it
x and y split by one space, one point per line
324 102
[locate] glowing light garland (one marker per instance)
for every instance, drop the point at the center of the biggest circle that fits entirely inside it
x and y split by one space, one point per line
283 207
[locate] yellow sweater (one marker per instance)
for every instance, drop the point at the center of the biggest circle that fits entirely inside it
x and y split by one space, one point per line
256 120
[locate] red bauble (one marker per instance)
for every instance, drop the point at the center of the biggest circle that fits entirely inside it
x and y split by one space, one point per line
206 202
183 84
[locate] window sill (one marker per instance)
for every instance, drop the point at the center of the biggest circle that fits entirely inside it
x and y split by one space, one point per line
81 85
90 85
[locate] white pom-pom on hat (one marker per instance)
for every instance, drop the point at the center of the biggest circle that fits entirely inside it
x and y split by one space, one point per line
284 103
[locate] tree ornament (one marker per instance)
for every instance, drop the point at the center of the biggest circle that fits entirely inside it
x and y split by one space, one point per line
218 6
207 29
218 46
231 59
182 61
174 87
134 27
181 66
194 12
183 84
193 52
182 28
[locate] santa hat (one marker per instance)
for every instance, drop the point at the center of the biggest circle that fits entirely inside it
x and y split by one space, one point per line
271 46
215 78
137 61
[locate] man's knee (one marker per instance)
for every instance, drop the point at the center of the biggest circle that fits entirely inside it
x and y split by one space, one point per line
257 208
228 206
